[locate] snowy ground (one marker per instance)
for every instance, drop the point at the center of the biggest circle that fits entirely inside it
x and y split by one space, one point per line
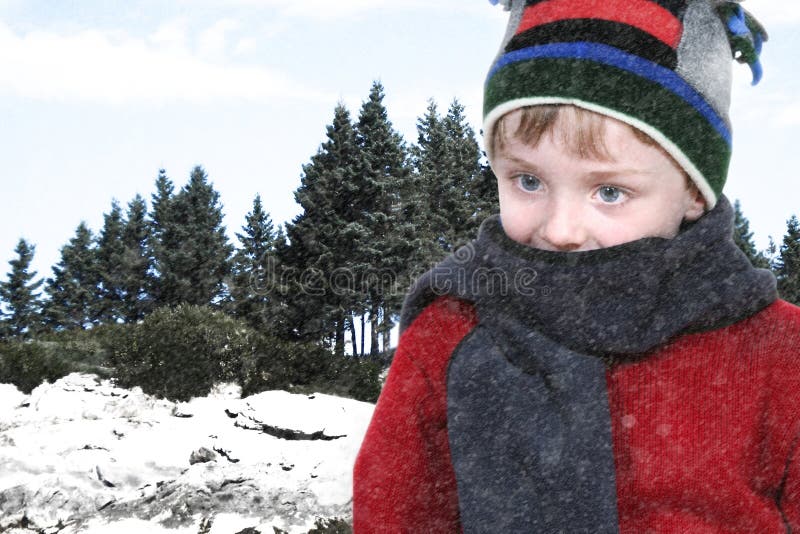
81 455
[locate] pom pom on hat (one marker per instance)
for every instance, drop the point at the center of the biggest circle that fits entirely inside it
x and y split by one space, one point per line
746 35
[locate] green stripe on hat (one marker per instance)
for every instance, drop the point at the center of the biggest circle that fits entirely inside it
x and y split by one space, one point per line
668 118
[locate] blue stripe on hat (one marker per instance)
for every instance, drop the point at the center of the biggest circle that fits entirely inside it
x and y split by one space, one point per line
614 57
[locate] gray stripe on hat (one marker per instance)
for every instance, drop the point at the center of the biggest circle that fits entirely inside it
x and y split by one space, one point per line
514 19
705 57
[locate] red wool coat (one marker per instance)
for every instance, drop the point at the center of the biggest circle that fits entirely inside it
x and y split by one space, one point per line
705 430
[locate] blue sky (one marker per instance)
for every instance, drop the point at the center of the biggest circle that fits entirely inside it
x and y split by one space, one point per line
96 96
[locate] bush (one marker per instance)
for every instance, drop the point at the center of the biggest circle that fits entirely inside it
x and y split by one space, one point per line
307 368
279 364
351 377
28 364
53 355
179 353
85 351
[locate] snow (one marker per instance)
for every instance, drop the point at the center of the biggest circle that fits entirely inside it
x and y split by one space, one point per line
99 458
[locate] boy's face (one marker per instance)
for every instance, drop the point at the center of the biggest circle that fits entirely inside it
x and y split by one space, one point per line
552 199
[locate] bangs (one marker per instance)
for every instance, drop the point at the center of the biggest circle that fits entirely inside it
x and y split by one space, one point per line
581 131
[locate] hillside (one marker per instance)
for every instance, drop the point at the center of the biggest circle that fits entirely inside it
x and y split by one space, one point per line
84 455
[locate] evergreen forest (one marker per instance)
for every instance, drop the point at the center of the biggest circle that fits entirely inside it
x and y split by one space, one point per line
161 289
160 296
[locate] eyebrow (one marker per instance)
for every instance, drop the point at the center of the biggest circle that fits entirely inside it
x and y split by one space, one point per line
519 161
520 164
591 176
626 172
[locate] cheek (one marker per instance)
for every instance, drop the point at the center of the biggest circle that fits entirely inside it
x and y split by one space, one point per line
509 207
519 219
517 230
613 235
667 220
650 223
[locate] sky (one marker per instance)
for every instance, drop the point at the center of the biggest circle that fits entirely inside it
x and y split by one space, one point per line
97 95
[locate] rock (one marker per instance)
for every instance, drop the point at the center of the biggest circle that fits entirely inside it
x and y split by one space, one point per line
85 454
202 455
226 454
223 489
181 411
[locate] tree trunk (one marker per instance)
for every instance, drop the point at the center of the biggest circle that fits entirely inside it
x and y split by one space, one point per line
363 333
373 330
338 347
387 330
353 339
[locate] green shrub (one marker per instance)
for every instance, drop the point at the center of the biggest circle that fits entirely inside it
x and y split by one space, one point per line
179 353
53 355
307 368
358 379
280 364
26 364
85 351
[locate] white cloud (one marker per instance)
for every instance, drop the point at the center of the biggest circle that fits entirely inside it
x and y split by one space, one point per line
244 46
333 9
172 35
114 67
774 12
773 101
315 8
790 116
212 42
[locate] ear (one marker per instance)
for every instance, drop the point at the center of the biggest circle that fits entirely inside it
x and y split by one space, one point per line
696 205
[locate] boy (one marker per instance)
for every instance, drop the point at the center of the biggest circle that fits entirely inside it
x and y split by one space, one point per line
602 358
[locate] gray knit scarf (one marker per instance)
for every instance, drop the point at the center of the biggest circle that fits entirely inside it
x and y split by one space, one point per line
621 300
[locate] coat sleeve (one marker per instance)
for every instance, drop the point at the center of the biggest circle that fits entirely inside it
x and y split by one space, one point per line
790 497
783 420
403 479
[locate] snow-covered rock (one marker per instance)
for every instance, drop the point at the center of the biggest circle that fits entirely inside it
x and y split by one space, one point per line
82 454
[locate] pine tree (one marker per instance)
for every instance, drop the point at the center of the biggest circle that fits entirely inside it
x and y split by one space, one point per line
111 266
20 295
136 263
73 289
162 242
253 291
433 189
484 191
771 253
319 245
787 265
455 190
743 238
204 255
473 198
382 245
190 249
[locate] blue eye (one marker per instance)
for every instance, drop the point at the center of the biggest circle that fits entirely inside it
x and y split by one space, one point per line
528 182
610 194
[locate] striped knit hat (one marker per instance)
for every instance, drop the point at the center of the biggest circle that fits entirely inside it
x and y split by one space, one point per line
662 66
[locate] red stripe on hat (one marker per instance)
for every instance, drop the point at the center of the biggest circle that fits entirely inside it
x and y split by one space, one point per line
643 14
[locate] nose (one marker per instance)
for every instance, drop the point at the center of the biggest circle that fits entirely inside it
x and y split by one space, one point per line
564 229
